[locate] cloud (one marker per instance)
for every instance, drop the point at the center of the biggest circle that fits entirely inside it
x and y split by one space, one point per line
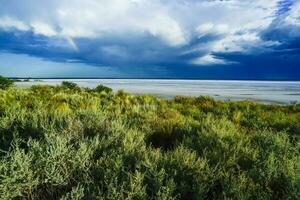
164 33
210 28
209 60
285 29
166 28
43 29
8 23
93 19
294 15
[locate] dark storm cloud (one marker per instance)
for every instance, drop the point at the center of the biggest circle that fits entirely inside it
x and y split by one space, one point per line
197 39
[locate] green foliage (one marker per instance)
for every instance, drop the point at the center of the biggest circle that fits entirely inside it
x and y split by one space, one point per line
69 85
102 88
5 83
67 142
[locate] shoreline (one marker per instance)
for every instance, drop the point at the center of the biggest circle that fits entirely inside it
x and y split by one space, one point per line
264 92
216 97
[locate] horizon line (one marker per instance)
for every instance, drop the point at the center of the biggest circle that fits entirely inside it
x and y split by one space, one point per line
153 78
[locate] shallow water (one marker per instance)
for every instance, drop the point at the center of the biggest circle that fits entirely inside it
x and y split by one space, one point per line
265 91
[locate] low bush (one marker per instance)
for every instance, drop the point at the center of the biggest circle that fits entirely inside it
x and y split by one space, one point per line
102 88
5 83
69 85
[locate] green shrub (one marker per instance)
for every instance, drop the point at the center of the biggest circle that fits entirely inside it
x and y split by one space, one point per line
166 129
5 83
69 85
102 88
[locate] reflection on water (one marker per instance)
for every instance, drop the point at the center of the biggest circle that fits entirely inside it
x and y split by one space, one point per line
267 91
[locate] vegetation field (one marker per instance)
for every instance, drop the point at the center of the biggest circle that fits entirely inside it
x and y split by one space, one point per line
67 142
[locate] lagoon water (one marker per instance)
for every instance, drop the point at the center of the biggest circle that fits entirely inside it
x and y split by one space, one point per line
265 91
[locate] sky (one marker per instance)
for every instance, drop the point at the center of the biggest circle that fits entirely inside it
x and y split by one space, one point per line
203 39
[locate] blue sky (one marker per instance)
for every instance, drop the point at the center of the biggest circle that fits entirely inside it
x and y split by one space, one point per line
208 39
